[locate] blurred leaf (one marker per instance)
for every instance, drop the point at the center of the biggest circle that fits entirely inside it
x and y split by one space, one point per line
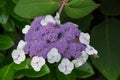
84 71
2 3
1 57
31 73
62 76
9 26
3 15
34 8
6 73
106 39
5 42
80 8
23 65
110 7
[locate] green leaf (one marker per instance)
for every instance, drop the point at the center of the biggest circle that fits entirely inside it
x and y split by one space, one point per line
5 11
7 73
110 7
3 15
5 42
33 8
31 73
21 66
24 65
80 8
106 39
62 76
9 26
84 71
2 3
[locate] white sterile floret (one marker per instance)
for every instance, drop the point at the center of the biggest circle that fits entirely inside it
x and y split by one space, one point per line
84 38
66 66
37 63
84 56
43 22
53 56
57 19
18 56
80 61
21 44
46 20
91 50
50 19
77 62
25 29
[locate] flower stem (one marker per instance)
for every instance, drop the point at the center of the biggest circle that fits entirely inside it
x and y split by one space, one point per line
63 3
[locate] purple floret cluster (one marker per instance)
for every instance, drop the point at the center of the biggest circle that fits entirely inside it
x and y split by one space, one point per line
41 39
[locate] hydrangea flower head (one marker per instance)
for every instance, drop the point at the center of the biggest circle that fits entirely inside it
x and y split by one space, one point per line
47 39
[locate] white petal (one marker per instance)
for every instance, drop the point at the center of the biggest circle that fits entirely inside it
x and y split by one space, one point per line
49 19
61 67
77 62
57 15
37 68
43 22
26 29
14 54
84 38
37 63
65 61
66 66
21 44
58 58
84 57
57 19
16 61
70 67
22 57
41 61
90 50
35 59
53 56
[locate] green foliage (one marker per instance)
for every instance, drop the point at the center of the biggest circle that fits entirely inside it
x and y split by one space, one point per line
62 76
2 3
33 8
80 8
106 38
5 42
7 72
84 71
32 74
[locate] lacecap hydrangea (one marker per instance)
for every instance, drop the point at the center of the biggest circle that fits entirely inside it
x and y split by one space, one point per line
46 39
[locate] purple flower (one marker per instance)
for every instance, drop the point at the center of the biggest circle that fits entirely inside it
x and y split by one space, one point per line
41 39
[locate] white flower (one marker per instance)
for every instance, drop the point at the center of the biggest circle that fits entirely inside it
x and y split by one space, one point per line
18 56
26 29
80 61
48 19
21 44
66 66
53 56
57 19
91 50
37 63
84 38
